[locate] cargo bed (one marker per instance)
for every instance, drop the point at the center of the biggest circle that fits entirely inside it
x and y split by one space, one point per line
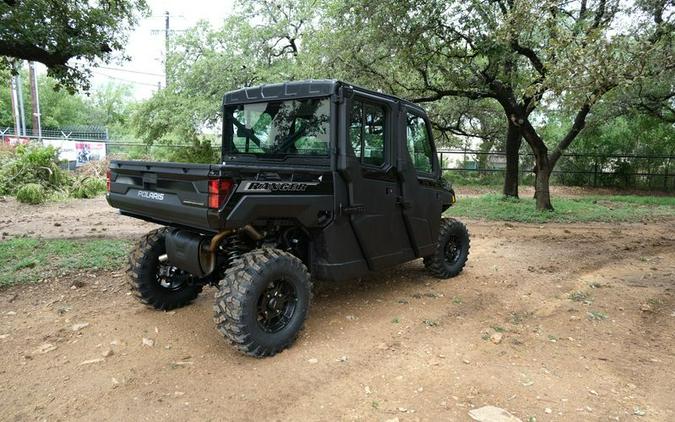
164 192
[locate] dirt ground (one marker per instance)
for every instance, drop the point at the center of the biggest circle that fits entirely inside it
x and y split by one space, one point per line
396 346
71 219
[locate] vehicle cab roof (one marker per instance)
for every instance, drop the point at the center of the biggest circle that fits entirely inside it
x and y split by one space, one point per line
299 89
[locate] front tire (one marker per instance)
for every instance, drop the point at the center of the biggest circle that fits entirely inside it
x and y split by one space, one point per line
263 301
157 284
452 250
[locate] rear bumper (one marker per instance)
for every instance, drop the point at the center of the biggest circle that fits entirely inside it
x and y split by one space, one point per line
170 211
167 211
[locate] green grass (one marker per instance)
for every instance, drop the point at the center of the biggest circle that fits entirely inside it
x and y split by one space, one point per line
610 208
597 316
579 296
26 260
636 199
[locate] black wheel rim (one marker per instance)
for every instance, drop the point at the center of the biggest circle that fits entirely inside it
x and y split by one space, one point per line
276 306
171 278
453 250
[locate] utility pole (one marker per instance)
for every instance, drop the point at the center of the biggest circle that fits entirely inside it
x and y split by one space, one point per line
167 40
15 101
15 111
166 48
19 91
35 101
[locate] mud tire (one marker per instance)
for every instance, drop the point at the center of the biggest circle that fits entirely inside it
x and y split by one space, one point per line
241 297
445 263
142 275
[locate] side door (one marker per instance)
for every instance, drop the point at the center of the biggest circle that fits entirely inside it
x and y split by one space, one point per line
375 215
419 171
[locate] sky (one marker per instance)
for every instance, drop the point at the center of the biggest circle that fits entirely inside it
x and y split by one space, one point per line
146 43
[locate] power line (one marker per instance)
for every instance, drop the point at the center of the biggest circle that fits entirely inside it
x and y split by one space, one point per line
164 16
127 80
117 69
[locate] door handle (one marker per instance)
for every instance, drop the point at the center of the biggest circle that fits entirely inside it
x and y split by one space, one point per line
388 190
354 209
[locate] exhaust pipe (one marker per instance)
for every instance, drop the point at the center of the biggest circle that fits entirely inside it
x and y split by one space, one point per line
195 253
252 232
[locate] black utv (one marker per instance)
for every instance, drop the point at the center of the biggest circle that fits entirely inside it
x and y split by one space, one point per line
318 180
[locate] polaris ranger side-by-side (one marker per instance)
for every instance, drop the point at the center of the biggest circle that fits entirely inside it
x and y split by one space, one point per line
317 177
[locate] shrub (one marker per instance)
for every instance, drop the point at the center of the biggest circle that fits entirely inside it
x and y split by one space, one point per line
31 193
199 151
7 151
32 164
96 168
88 187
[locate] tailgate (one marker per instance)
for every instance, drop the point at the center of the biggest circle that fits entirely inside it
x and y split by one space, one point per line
168 193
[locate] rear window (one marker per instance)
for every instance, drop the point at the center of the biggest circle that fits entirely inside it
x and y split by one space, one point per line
293 127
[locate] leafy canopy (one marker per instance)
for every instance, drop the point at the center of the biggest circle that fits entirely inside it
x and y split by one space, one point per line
262 42
67 36
109 105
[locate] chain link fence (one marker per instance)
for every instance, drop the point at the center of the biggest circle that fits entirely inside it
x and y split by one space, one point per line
78 146
634 171
83 133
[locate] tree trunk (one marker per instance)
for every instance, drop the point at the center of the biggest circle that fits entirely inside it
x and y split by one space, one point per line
542 170
513 141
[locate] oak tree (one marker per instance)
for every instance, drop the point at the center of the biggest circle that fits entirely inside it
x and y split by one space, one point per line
528 56
67 36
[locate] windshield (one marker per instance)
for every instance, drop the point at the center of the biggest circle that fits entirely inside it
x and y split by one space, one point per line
299 127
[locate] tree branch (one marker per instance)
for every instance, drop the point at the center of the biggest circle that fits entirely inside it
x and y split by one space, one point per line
658 106
529 101
577 126
600 13
531 55
442 93
456 130
582 10
26 51
439 93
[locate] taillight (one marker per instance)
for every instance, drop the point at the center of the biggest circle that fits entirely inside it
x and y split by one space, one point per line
219 190
107 180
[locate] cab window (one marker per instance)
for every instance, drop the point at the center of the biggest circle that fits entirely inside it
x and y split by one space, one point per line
367 132
278 128
419 143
